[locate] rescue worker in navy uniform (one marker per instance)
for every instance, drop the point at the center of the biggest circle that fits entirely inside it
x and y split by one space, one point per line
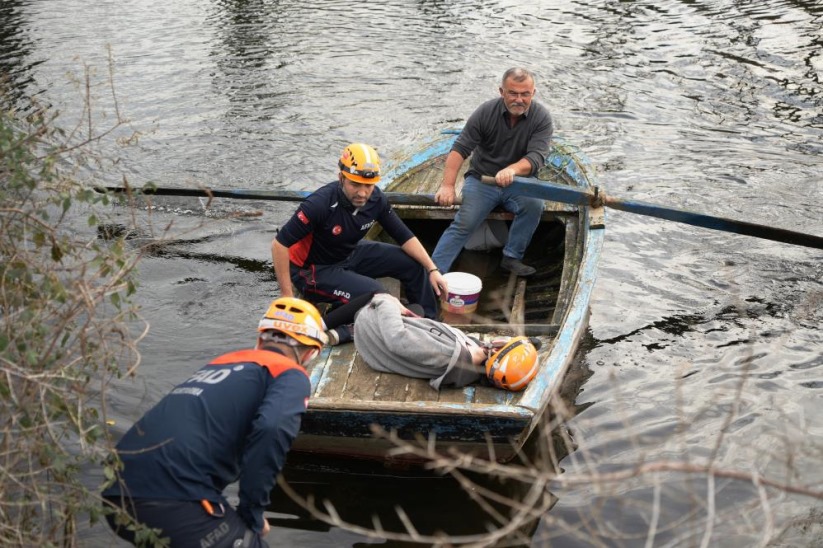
234 419
320 251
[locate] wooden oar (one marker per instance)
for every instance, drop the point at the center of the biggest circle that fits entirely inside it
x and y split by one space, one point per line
576 196
279 195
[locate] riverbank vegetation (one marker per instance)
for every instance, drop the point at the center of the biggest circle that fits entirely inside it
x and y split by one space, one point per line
67 323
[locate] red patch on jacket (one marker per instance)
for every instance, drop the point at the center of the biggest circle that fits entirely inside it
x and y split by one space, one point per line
337 230
302 217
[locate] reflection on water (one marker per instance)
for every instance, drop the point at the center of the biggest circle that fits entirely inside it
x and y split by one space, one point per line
16 63
704 346
434 504
465 506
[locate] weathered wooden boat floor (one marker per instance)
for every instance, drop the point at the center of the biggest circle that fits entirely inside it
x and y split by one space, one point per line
344 380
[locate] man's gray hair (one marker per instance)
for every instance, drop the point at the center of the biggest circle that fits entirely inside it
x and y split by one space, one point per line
518 74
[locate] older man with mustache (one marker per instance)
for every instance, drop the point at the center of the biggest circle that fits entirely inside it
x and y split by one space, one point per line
506 137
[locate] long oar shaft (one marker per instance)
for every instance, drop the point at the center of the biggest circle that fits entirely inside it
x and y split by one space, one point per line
576 196
278 195
284 195
715 223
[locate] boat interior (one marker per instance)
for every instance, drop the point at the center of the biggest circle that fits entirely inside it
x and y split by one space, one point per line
508 305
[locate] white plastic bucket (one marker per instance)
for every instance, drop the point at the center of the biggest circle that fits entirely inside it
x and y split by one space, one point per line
464 292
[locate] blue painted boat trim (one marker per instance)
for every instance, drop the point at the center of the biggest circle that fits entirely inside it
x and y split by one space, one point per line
577 166
435 147
554 367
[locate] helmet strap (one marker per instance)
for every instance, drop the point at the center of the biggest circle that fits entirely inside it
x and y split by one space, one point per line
310 355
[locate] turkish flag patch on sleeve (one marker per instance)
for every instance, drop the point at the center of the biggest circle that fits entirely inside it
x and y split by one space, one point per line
302 217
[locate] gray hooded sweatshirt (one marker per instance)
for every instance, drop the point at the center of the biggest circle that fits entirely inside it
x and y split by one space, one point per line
413 346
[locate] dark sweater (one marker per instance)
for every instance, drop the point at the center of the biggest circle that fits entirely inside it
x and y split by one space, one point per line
493 145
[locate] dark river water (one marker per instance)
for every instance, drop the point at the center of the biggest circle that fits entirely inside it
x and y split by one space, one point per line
704 348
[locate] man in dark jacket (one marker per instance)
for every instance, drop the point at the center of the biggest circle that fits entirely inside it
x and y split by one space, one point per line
233 419
320 251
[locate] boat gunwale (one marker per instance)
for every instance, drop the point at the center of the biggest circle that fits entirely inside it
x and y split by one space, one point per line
445 408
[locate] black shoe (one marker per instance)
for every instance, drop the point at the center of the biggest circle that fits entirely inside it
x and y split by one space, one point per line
516 267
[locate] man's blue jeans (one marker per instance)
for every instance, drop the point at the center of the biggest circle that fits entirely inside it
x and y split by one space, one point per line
478 200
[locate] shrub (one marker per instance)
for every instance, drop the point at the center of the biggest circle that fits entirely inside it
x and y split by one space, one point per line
65 312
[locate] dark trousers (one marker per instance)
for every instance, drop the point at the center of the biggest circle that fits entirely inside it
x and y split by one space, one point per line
186 524
340 283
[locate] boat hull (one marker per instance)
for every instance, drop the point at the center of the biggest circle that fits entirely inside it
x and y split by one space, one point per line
358 413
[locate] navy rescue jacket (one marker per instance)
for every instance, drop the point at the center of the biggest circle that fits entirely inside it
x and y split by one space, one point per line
326 226
233 419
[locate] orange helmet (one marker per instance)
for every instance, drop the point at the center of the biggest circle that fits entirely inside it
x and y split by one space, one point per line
514 365
296 318
360 163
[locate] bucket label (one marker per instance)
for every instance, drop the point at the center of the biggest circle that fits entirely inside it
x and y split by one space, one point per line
462 304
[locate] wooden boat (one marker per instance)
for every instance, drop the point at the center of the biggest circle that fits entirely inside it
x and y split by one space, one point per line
348 397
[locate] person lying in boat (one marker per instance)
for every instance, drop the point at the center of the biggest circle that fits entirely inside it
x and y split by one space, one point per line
234 419
506 137
321 251
393 339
